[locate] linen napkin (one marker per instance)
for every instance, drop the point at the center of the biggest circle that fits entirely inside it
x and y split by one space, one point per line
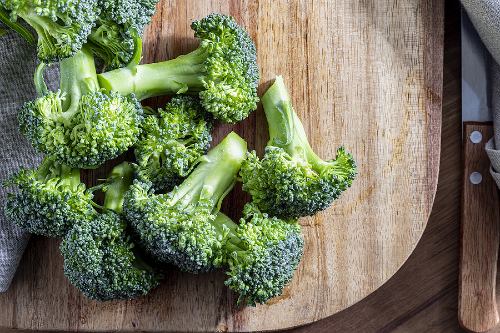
17 65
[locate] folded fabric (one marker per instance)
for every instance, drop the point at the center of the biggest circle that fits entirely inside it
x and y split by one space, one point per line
17 65
485 16
494 156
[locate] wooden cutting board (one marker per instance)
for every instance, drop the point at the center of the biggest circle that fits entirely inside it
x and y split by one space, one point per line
365 74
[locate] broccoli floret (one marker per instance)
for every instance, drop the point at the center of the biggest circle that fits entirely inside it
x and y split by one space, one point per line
79 125
171 142
261 252
291 181
223 71
62 26
99 256
49 199
177 227
118 26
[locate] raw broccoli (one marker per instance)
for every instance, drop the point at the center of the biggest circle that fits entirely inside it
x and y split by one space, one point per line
291 181
62 26
79 125
118 26
178 227
171 142
261 252
99 257
223 70
49 199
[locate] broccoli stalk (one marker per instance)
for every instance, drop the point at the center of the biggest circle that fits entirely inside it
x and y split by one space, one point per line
78 78
79 125
211 180
286 132
121 178
184 73
223 71
50 199
99 257
291 181
177 227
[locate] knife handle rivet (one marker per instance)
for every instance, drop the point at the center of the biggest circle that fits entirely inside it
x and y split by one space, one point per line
476 178
476 137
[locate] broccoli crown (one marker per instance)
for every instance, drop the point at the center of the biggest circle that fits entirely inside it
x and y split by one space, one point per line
99 256
62 26
291 181
121 22
177 227
79 125
288 187
99 260
171 142
131 14
223 70
49 199
231 72
263 254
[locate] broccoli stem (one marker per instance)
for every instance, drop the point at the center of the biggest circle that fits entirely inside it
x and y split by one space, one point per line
68 176
224 224
16 26
182 74
78 77
215 174
121 178
285 128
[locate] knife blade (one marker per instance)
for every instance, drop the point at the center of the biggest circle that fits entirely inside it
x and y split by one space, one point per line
480 222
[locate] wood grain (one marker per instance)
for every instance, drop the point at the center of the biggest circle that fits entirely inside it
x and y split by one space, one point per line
480 236
364 74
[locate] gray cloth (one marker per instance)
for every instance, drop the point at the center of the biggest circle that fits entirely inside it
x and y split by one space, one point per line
17 65
494 156
485 15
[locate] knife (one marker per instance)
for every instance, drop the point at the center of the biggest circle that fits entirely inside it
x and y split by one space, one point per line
480 223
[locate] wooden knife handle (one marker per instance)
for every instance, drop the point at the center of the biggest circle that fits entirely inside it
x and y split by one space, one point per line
480 234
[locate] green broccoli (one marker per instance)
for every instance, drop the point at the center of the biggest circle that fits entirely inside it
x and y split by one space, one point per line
49 199
99 257
62 26
178 227
291 181
223 71
79 125
120 23
261 252
171 142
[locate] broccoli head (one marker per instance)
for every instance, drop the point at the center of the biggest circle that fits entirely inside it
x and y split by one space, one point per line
291 181
62 26
49 199
177 227
80 125
171 142
99 258
262 254
223 71
114 36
